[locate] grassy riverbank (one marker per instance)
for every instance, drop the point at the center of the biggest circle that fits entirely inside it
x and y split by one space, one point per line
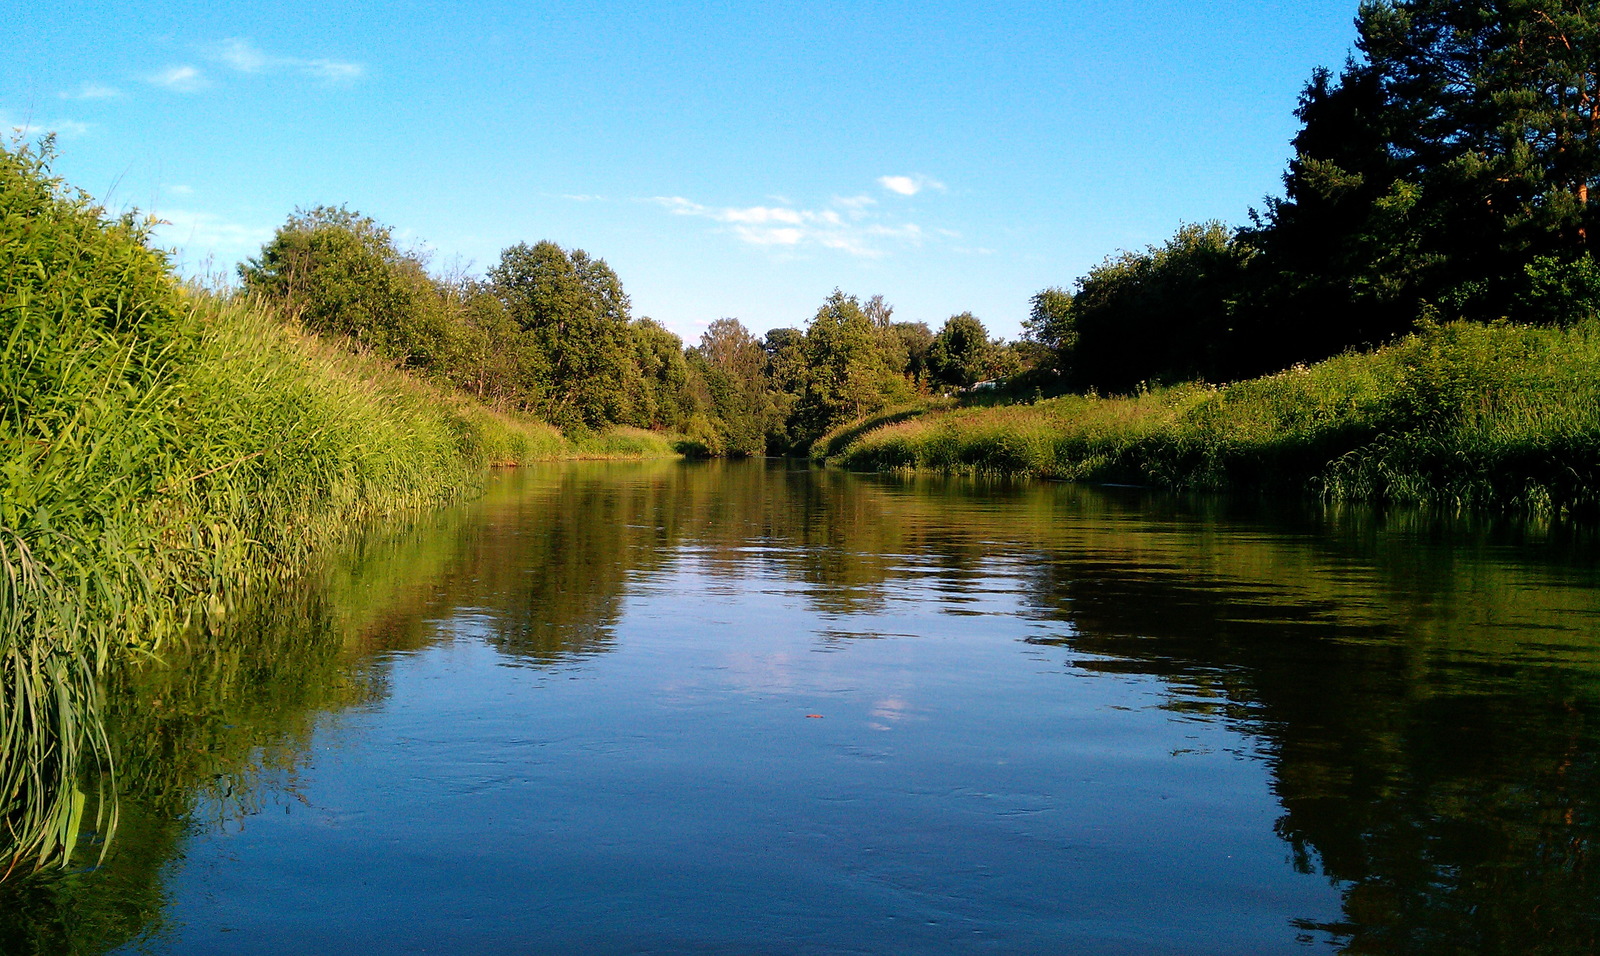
1497 416
160 451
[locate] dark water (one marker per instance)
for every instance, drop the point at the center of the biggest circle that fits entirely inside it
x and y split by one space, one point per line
752 708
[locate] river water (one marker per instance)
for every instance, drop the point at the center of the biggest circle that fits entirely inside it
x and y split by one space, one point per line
758 708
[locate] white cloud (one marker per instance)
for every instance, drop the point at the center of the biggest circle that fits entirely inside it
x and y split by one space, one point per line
681 206
909 185
27 129
759 214
179 189
770 236
180 79
240 55
92 91
206 238
849 226
910 232
334 71
904 185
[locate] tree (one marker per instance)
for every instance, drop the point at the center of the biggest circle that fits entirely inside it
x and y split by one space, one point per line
909 343
1461 148
961 354
1050 327
848 374
1164 314
879 312
732 362
339 272
573 313
666 399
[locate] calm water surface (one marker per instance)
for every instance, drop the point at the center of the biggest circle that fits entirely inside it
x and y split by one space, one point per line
753 708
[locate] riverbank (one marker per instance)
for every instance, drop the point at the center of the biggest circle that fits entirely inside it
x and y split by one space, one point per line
1465 415
161 451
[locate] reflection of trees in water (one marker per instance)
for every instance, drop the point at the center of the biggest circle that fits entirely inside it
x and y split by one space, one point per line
1431 751
1427 752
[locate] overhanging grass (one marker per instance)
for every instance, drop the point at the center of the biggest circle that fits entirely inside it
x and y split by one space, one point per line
160 451
1497 416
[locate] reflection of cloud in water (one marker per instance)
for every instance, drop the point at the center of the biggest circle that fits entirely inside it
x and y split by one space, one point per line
890 709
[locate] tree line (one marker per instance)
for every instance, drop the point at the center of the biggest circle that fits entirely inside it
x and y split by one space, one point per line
549 331
1445 172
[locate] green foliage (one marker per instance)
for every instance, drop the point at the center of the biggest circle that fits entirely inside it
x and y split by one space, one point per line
729 361
339 272
1446 171
1051 326
574 322
1561 292
847 369
666 398
1440 169
1161 315
160 452
960 353
1461 414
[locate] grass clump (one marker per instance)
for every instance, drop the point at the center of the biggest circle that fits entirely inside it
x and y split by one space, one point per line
159 451
1471 415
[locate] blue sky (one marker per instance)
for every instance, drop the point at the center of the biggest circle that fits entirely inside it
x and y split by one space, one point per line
727 159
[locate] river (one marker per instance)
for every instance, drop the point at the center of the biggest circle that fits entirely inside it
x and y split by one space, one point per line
760 708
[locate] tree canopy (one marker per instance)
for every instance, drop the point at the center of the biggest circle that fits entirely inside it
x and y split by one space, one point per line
1445 171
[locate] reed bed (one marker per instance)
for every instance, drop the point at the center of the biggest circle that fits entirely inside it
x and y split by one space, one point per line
1461 414
161 451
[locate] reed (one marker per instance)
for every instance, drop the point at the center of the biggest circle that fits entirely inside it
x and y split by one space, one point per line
162 451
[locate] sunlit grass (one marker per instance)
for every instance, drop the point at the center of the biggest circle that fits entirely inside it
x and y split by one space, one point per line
163 450
1463 414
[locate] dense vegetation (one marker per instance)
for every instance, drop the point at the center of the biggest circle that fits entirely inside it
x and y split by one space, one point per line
550 332
159 450
1444 173
1436 210
1475 415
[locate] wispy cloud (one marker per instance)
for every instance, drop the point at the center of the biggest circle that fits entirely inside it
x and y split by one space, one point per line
28 128
909 185
92 91
203 236
241 56
183 78
847 224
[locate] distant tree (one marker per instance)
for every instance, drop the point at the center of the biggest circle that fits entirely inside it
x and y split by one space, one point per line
340 274
1164 314
909 344
878 311
786 375
666 397
573 310
733 368
961 353
1050 326
848 373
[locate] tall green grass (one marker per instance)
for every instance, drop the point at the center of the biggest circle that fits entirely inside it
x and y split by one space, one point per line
1462 414
160 451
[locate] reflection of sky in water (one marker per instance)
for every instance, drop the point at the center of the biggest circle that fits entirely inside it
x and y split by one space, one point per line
748 709
957 790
